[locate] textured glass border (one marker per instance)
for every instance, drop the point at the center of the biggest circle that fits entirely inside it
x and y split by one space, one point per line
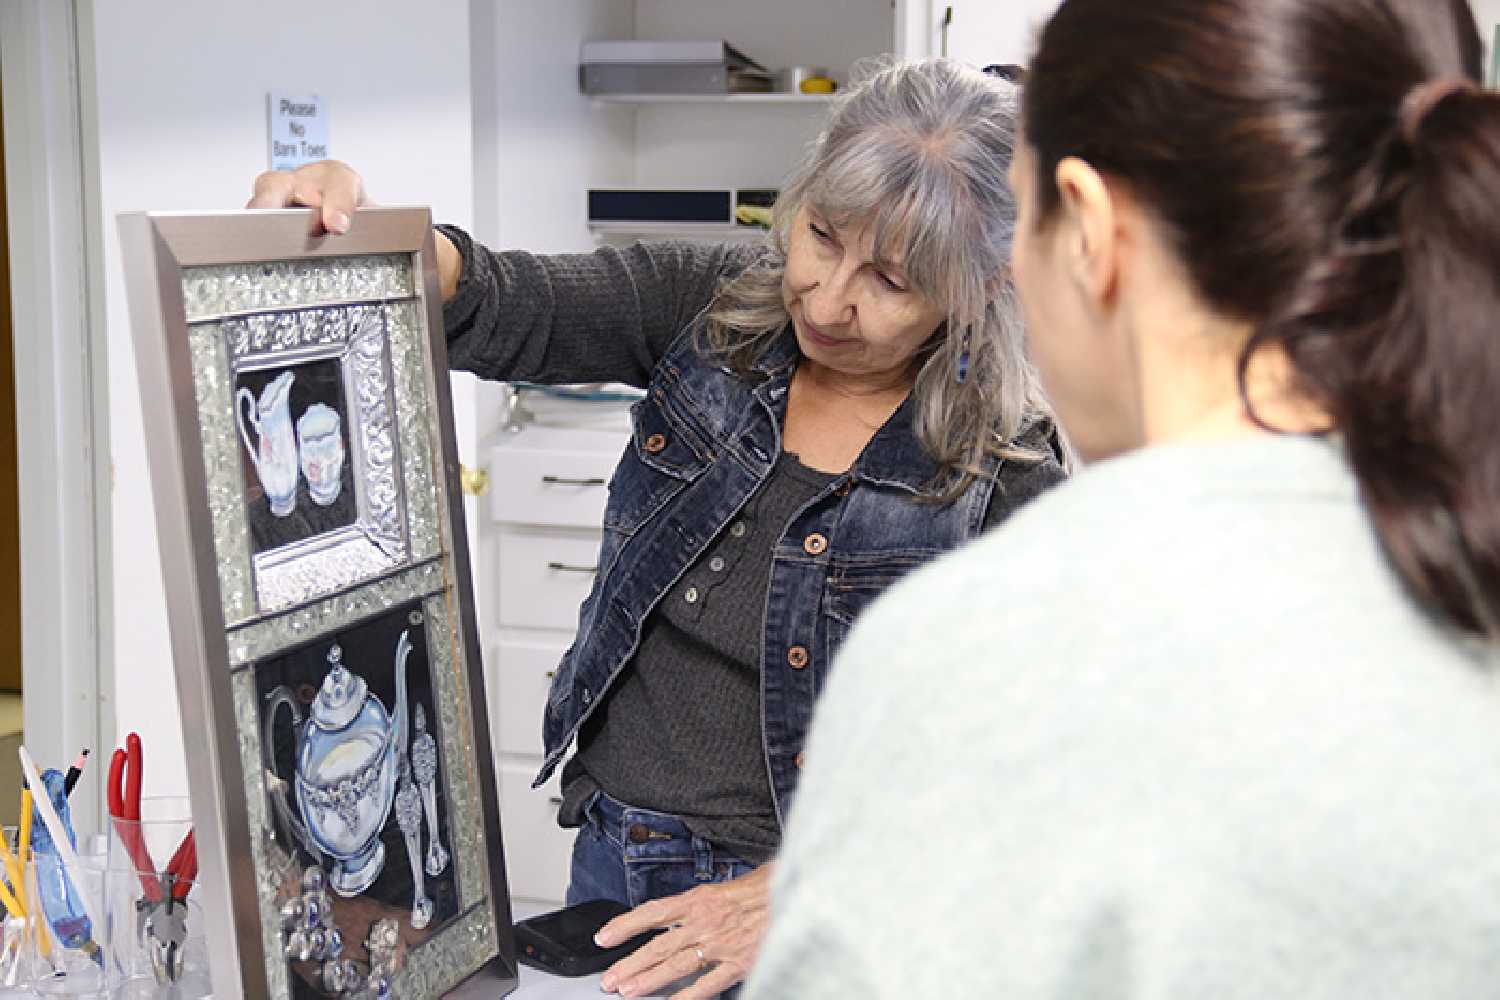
451 957
416 418
469 940
268 637
400 519
219 290
446 960
267 857
214 388
454 700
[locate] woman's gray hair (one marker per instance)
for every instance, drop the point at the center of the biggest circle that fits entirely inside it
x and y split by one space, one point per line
919 150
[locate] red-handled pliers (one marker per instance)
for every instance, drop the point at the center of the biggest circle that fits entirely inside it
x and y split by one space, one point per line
161 912
166 922
177 881
125 777
125 809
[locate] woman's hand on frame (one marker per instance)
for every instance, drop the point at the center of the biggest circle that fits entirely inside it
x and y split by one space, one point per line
714 929
334 188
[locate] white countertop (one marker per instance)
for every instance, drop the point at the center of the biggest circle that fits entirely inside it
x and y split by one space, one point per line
538 985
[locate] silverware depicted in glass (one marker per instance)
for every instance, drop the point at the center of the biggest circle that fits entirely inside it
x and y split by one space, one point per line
424 766
409 818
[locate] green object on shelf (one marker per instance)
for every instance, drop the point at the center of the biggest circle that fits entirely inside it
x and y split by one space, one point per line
753 215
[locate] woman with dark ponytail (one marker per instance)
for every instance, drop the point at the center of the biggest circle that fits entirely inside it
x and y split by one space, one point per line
1238 733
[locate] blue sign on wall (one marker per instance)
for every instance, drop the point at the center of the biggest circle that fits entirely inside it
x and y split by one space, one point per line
299 130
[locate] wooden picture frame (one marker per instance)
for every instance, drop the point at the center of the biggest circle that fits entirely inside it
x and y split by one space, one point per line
301 445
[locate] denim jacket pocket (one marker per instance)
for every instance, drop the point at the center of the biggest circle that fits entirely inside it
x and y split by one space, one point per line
855 581
666 453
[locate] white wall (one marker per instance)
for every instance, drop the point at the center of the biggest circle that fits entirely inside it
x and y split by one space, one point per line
539 145
987 31
1004 31
542 144
1487 13
182 125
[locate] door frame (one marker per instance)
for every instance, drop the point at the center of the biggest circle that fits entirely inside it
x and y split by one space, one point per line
62 411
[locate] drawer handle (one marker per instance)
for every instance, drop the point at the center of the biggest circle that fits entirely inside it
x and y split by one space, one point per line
565 481
556 801
565 568
551 674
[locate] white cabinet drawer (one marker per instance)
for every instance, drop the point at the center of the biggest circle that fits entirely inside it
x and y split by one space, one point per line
544 577
520 674
538 852
564 489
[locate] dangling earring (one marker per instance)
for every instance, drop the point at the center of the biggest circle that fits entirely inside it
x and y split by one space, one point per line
963 357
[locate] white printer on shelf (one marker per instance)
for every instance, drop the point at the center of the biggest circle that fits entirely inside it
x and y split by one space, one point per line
669 67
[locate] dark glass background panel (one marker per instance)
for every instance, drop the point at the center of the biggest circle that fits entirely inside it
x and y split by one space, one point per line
369 649
313 382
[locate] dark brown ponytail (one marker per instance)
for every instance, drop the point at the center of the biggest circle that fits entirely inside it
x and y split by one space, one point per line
1269 137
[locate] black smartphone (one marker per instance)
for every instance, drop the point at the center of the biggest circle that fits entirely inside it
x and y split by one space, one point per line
562 942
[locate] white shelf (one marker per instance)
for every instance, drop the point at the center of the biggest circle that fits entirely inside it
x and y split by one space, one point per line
710 228
622 233
809 100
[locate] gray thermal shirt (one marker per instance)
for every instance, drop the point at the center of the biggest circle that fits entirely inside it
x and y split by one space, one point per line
680 732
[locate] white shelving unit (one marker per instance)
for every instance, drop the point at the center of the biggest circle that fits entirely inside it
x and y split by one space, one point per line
721 99
624 234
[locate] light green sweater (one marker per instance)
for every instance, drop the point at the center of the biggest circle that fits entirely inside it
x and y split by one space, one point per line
1174 732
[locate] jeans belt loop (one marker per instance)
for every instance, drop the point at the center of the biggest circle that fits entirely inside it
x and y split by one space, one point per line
703 859
593 811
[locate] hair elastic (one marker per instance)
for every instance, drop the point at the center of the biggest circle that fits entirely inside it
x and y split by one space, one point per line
1422 98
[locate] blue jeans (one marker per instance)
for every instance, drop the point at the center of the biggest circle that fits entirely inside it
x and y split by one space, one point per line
635 855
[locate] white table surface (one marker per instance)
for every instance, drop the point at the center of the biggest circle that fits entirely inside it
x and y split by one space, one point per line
538 985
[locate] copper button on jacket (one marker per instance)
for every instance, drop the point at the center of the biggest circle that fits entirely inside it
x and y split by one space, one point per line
797 657
815 544
655 443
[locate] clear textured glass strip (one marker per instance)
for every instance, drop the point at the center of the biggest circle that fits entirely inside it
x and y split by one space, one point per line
408 361
214 388
451 957
215 291
266 638
274 867
450 678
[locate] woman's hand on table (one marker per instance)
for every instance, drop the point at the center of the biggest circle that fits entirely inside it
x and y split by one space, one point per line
336 190
717 929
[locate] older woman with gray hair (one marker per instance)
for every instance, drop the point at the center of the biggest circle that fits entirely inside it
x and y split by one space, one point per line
824 413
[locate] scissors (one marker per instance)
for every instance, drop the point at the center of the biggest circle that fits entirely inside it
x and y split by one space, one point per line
162 909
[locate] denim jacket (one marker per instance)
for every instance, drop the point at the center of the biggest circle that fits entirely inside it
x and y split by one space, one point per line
704 440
